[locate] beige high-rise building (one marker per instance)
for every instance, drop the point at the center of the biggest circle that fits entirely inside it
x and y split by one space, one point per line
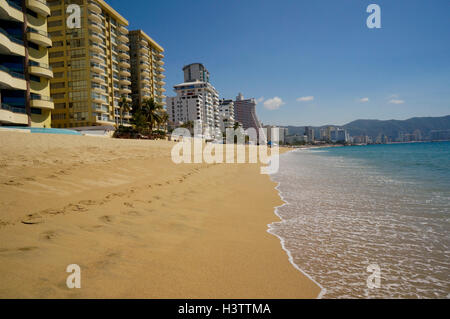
91 65
146 68
24 71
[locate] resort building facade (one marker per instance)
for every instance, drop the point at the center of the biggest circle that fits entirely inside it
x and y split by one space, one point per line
226 114
245 113
146 68
91 65
197 101
24 67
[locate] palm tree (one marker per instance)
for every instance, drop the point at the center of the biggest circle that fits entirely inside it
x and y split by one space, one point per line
124 107
164 119
151 111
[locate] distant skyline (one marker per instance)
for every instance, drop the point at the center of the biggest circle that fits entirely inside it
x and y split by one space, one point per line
309 62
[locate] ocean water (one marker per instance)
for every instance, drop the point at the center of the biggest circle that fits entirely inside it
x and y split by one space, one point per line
351 207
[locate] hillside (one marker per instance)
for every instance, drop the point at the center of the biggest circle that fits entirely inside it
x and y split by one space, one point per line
391 128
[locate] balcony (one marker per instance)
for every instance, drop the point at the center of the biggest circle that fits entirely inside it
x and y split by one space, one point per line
94 7
13 115
123 46
124 72
40 69
124 38
10 11
124 54
160 89
94 26
94 17
100 108
39 37
98 68
160 69
99 99
123 29
143 50
97 48
11 80
96 37
39 6
160 76
41 102
159 62
125 81
125 89
10 45
98 58
125 63
98 78
99 89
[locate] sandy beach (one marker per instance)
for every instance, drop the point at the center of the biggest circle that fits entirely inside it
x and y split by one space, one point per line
138 225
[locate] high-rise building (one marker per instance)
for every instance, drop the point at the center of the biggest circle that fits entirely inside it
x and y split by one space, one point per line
24 68
245 113
325 133
309 132
197 101
146 68
91 64
282 134
226 114
195 72
340 135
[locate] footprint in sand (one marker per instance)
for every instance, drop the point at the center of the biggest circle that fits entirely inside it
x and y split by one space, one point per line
13 183
26 249
107 219
76 208
132 213
89 202
129 204
49 235
52 212
114 195
33 219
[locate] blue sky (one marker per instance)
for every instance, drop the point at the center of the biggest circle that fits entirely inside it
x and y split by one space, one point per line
309 62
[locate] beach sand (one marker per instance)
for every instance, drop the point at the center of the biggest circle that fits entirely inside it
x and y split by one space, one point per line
138 225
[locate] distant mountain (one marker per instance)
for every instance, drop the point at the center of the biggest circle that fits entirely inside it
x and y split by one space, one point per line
391 128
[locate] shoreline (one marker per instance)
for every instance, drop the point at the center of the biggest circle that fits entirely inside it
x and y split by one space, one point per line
323 291
138 225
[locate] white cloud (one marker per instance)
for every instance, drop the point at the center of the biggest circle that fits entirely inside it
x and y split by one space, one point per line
305 99
394 101
260 100
364 100
274 103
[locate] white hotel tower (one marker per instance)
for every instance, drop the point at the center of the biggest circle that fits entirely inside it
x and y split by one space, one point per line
197 101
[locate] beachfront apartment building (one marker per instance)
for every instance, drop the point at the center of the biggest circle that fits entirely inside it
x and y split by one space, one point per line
147 72
245 113
197 101
24 67
282 134
91 65
226 114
